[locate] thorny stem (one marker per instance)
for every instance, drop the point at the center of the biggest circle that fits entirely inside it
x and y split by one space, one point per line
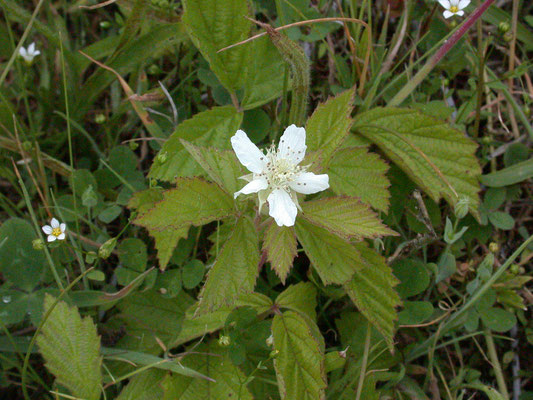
433 61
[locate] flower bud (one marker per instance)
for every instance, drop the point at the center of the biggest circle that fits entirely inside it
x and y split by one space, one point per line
504 27
461 207
107 248
100 119
224 341
161 158
508 36
494 247
274 353
38 244
133 145
514 269
270 341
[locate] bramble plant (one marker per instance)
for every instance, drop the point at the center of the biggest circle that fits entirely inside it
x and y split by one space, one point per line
281 208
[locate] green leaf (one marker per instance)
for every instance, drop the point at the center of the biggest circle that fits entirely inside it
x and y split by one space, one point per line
413 276
330 123
213 25
192 274
144 386
213 127
334 258
132 254
71 348
509 176
299 365
498 319
501 220
300 297
356 172
192 202
372 291
415 312
264 81
234 271
228 380
433 154
346 217
222 166
20 263
280 247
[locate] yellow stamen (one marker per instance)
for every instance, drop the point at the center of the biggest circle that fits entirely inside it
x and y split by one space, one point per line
454 9
56 232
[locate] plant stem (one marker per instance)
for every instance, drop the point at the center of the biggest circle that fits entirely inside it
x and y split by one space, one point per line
364 363
433 61
493 355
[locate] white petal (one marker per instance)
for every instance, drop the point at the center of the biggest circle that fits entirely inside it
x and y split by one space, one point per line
292 144
22 52
37 53
63 227
447 14
51 238
247 152
460 13
308 183
282 208
61 237
47 229
463 4
445 3
31 48
55 223
253 187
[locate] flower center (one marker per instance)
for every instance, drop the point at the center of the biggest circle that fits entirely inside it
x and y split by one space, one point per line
454 9
56 232
279 171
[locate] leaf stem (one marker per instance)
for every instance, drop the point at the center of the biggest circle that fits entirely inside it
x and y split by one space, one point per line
493 356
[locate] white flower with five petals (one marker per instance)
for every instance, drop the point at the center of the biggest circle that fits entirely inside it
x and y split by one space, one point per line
29 54
454 7
276 176
55 230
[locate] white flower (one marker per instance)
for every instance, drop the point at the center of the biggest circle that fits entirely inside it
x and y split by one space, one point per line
29 54
276 175
454 7
56 231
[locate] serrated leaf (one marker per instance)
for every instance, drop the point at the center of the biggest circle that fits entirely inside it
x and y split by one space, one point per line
213 25
372 291
433 154
222 166
208 359
264 81
280 246
329 125
213 127
334 258
192 202
299 364
234 271
346 217
356 172
71 348
300 297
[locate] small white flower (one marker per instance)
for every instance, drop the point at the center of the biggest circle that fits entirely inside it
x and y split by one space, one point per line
276 176
454 7
55 231
29 54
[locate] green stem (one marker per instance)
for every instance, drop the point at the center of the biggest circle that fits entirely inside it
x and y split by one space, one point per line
364 362
493 356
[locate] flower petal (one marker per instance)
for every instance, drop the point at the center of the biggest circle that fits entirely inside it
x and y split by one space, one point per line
63 227
292 144
31 48
47 229
55 223
253 187
51 238
282 208
22 52
463 4
308 183
445 3
447 14
247 152
36 53
460 13
61 237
